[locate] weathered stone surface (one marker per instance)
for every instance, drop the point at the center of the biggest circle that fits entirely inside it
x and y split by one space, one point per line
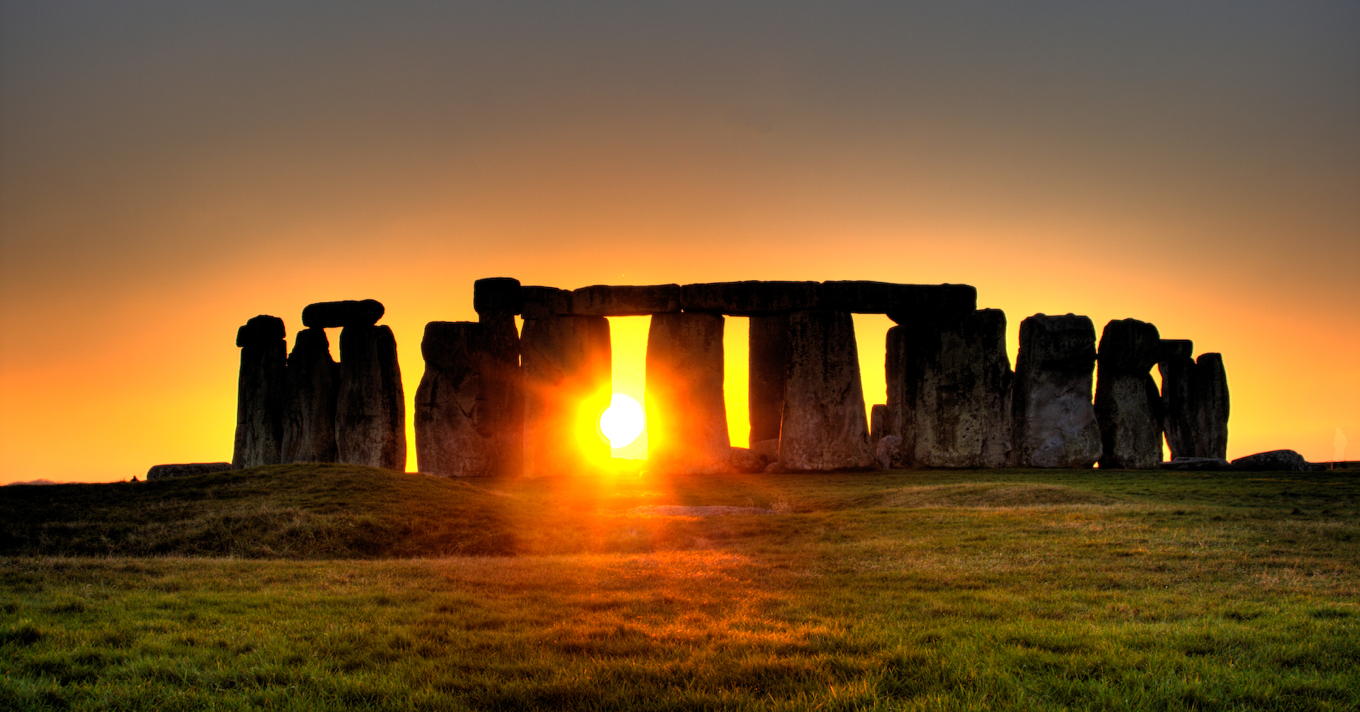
165 472
543 302
262 329
454 435
768 449
1128 406
750 298
878 422
746 461
823 427
309 416
903 303
322 315
504 415
1209 399
955 392
768 359
567 385
1194 464
898 406
1277 460
496 296
686 418
629 300
1176 365
1055 420
886 451
260 393
370 411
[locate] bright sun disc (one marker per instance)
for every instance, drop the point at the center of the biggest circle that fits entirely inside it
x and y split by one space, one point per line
622 421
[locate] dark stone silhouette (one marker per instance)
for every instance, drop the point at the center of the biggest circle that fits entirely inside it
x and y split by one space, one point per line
260 393
878 422
497 295
1278 460
750 298
370 415
1195 464
1209 397
497 300
955 390
544 302
323 315
768 358
165 472
606 300
1176 365
456 431
1055 420
823 426
1128 406
313 383
686 418
567 384
903 303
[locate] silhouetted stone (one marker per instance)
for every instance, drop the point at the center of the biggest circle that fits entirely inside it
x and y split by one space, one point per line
823 426
878 422
1127 402
1177 367
956 391
903 303
1274 460
1209 399
886 451
686 418
543 302
1195 464
260 393
165 472
497 296
313 384
1055 420
768 369
350 312
899 410
746 461
370 411
567 385
750 298
504 392
454 434
606 300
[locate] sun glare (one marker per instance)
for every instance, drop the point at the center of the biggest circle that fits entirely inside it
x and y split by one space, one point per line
623 421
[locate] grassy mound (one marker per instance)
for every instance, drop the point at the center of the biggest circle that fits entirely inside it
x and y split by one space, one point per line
994 494
292 511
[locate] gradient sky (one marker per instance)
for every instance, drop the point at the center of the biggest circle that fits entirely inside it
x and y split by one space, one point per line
169 169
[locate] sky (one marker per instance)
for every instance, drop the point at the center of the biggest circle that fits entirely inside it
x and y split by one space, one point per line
170 169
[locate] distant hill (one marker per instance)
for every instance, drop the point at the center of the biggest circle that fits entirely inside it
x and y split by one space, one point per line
30 482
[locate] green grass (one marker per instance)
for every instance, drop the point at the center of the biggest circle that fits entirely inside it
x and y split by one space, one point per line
909 590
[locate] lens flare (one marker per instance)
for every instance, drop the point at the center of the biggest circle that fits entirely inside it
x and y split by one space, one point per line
623 421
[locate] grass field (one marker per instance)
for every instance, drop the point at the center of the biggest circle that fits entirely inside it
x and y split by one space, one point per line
275 588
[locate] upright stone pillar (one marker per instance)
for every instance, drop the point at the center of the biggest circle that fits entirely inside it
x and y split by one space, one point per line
686 416
899 409
1128 406
1210 398
497 300
260 393
313 381
823 426
1055 420
1177 367
956 386
370 411
768 370
456 432
567 386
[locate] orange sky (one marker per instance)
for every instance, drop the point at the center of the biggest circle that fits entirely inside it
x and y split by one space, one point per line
166 173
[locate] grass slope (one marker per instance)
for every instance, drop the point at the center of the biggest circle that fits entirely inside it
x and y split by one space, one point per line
921 590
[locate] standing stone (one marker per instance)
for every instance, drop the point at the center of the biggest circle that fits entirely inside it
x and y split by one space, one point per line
260 392
956 387
455 429
899 423
497 300
370 412
823 426
309 418
1055 421
1210 399
567 386
1128 406
1177 368
768 359
878 422
686 417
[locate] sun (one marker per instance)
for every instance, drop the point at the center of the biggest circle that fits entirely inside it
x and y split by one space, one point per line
623 421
